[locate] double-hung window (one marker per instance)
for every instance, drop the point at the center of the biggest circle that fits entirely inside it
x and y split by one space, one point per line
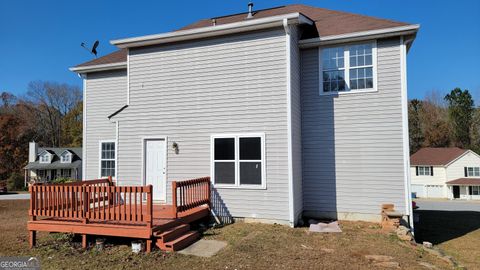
424 170
238 161
473 171
475 190
350 68
107 159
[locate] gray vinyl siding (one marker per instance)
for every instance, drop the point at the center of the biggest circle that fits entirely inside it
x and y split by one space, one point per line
190 91
352 144
296 115
106 92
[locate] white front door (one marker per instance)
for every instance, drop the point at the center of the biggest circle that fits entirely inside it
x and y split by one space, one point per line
155 167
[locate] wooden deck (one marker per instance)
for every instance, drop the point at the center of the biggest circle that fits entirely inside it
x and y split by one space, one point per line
97 207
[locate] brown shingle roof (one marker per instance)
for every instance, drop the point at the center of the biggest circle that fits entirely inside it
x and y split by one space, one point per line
115 57
465 181
327 23
436 156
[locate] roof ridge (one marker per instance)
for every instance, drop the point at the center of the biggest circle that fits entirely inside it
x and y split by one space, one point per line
240 13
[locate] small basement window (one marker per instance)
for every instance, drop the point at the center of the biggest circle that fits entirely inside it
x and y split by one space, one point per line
238 161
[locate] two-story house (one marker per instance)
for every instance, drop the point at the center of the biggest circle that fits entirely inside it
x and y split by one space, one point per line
293 110
452 173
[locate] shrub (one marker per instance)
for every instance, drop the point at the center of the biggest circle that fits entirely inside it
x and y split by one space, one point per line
15 182
62 180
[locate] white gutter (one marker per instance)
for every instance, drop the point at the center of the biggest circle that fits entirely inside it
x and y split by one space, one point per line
85 69
357 36
210 31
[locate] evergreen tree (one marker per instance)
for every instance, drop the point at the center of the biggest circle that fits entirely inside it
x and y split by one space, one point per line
460 112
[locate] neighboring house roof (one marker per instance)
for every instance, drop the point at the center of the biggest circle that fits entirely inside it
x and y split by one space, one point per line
465 181
436 156
56 164
326 23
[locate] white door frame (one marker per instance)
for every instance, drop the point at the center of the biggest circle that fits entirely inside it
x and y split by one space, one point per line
144 165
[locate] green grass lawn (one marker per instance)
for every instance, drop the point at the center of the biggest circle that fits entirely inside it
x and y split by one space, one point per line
250 246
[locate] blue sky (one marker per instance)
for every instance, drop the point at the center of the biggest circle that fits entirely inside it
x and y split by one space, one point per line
39 40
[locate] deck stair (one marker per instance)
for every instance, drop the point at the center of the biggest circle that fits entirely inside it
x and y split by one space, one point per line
176 238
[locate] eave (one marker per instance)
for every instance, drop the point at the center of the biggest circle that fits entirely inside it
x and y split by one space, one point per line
212 31
359 36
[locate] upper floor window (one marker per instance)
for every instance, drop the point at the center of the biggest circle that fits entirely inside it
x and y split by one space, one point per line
238 161
107 159
348 68
66 157
472 171
45 157
424 170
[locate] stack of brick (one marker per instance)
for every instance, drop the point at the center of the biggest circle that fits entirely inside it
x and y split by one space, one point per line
390 217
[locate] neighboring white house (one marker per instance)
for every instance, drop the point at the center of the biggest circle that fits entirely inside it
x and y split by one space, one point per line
452 173
49 163
294 110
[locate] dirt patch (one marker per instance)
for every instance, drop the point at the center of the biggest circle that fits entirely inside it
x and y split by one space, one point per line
250 246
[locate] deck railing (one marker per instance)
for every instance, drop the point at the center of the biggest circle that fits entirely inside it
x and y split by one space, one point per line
190 194
93 200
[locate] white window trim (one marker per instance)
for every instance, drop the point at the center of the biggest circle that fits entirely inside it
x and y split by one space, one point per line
66 154
473 176
429 171
236 137
100 157
45 153
346 68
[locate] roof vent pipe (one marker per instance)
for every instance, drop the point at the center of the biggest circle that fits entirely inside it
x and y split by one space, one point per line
250 7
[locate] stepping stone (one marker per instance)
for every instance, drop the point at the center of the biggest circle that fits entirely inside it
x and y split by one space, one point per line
379 258
204 248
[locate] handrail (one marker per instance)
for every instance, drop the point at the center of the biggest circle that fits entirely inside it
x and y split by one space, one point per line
189 194
92 202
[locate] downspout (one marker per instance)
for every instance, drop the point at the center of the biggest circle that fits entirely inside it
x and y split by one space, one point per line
116 151
84 129
289 125
406 144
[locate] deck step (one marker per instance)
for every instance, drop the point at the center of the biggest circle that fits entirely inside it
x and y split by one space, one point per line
182 242
173 233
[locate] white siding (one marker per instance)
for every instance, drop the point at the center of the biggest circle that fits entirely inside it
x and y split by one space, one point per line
456 169
190 91
439 178
106 92
352 144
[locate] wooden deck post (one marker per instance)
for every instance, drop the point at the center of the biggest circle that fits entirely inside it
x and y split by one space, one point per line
148 247
84 241
174 199
150 206
33 238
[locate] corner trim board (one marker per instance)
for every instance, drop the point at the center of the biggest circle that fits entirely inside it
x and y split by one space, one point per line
291 206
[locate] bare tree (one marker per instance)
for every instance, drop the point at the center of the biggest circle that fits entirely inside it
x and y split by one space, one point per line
53 101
